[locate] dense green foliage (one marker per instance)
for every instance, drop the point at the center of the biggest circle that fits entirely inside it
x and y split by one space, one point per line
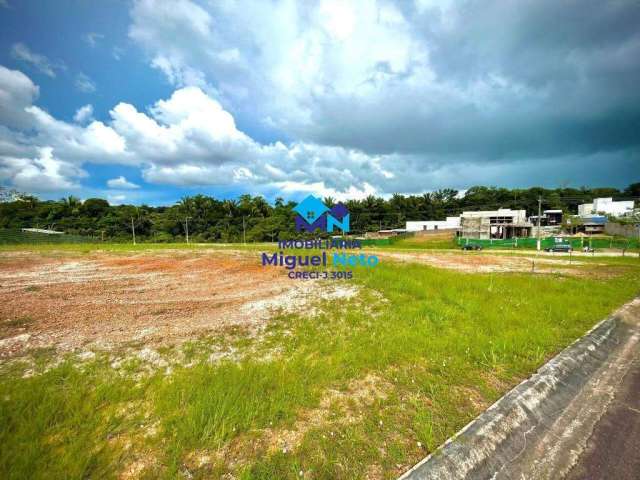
213 220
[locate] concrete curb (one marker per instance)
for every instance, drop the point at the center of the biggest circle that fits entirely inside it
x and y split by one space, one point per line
538 429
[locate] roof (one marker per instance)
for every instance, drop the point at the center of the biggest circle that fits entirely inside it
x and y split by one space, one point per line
594 220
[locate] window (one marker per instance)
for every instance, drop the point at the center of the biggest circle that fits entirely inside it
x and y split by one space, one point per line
311 215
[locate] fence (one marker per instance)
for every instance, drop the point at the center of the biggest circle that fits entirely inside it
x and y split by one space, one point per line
377 242
16 237
575 242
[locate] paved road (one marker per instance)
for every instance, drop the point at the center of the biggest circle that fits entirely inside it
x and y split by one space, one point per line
613 450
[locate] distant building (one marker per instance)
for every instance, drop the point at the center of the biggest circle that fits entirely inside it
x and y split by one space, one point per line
385 233
594 225
589 225
451 223
501 223
606 206
549 218
554 217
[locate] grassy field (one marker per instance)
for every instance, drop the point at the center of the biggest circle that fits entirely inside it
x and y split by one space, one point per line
127 247
364 388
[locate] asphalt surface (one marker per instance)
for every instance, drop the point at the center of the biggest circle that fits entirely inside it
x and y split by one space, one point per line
613 450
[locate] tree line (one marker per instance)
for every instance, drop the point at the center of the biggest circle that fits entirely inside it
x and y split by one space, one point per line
253 219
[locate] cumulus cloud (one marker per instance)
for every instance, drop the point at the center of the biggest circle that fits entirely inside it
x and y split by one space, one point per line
190 139
44 173
121 183
180 145
418 78
187 139
84 114
17 92
21 52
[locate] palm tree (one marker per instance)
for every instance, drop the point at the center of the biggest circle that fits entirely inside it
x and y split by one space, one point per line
329 201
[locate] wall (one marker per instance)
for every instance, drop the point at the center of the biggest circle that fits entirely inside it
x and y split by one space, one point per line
585 209
606 206
630 231
418 226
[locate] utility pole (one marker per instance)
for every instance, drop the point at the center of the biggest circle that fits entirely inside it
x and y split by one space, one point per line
244 232
186 227
133 231
539 214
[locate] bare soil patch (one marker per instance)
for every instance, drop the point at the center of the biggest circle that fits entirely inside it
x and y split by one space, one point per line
426 237
71 301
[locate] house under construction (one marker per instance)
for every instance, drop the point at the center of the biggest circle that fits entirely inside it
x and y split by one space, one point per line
501 223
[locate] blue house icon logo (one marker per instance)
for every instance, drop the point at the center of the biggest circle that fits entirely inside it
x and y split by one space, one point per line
312 214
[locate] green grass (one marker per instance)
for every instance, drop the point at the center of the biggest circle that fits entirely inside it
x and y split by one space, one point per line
426 243
442 346
130 247
18 237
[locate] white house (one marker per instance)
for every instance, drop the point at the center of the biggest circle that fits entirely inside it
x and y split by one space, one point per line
605 206
448 224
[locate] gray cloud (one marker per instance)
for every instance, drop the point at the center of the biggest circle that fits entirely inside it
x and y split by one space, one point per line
486 81
366 96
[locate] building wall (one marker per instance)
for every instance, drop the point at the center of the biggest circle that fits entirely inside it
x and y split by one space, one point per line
507 224
585 209
476 227
606 206
518 216
418 226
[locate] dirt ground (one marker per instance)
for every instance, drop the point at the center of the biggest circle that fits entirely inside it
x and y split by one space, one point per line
71 301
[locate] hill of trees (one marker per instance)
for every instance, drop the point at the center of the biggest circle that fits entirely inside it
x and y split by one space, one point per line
252 217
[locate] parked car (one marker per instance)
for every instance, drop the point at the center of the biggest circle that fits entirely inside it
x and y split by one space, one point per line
472 246
560 247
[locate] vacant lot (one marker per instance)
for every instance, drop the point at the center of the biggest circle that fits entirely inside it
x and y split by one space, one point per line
71 301
199 363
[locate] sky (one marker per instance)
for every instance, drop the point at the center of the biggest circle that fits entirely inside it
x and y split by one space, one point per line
146 101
